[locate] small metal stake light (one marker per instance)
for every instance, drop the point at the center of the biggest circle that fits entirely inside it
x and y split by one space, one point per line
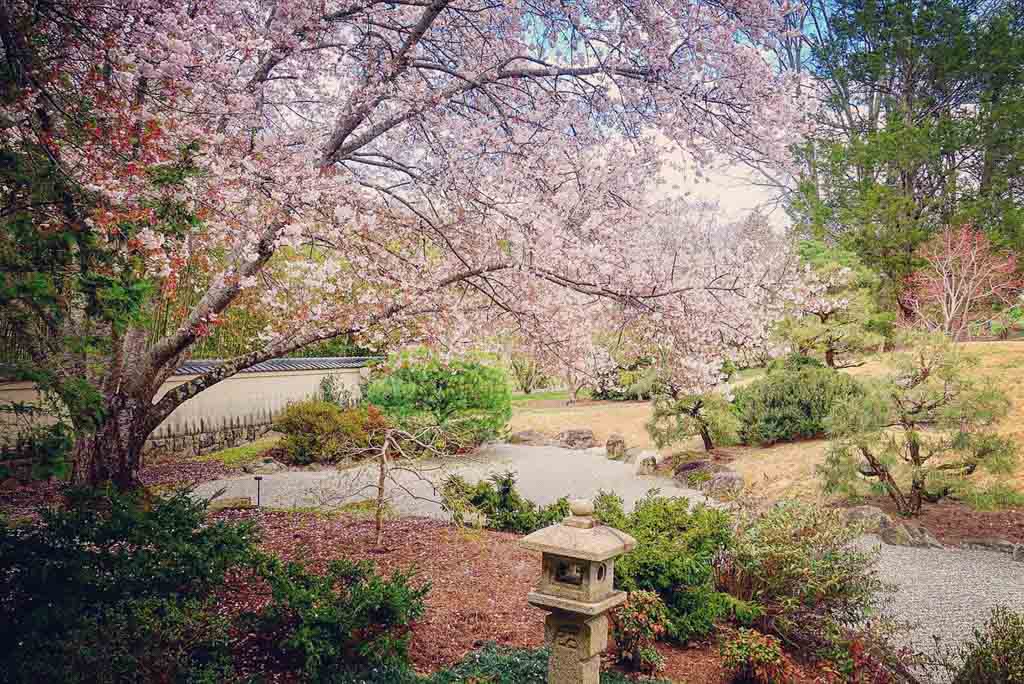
576 588
258 478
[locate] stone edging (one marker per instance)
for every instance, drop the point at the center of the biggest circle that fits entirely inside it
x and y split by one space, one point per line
1016 551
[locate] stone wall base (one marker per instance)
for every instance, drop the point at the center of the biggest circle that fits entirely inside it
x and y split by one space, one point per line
206 441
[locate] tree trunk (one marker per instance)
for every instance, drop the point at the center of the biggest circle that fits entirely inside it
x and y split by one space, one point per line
903 506
705 436
382 462
830 357
113 452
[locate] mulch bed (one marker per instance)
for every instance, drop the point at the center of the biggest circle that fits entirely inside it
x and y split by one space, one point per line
952 522
24 500
183 472
479 581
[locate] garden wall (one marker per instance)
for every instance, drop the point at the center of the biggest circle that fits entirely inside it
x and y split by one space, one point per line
234 411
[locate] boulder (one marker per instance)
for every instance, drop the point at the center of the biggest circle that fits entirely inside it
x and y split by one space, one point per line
636 455
989 544
576 438
616 447
725 483
528 437
648 465
872 518
1018 553
695 464
908 534
264 467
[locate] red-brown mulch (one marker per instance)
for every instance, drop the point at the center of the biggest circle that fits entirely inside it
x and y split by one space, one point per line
23 500
951 522
179 472
479 582
702 664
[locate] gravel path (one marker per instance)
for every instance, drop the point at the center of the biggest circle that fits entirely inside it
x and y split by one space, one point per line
544 474
948 592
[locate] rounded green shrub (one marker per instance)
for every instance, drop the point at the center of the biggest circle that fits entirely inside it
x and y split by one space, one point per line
472 402
790 404
117 588
323 432
347 619
676 547
498 501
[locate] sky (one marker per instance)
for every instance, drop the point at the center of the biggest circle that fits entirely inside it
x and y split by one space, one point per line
732 187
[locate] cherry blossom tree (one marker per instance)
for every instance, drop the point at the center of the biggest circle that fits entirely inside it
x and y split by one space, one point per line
962 280
414 168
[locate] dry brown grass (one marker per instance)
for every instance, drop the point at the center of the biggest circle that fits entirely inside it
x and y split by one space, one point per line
626 418
784 469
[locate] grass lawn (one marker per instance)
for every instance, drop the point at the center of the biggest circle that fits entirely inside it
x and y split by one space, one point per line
542 395
783 470
238 456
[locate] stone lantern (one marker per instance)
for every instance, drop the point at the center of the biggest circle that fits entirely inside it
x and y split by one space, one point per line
578 557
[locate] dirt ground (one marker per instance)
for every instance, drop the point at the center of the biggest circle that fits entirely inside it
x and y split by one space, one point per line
952 522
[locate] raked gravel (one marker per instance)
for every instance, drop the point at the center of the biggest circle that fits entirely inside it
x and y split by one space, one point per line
947 592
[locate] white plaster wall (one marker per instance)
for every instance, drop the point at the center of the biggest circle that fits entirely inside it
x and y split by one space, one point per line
242 398
248 397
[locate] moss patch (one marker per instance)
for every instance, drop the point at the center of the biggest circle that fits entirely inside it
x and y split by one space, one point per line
238 456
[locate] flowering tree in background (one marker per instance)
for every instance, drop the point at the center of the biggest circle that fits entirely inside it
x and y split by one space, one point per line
961 283
410 169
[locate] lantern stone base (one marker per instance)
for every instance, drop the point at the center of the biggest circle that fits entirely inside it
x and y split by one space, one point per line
577 642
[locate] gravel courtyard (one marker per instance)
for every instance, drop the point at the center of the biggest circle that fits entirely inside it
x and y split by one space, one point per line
947 592
544 474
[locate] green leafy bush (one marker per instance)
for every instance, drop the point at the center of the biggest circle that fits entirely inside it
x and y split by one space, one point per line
791 404
497 499
323 432
121 567
802 570
673 558
754 658
995 653
349 618
468 399
636 626
146 640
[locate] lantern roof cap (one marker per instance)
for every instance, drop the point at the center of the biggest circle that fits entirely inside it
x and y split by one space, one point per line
580 537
